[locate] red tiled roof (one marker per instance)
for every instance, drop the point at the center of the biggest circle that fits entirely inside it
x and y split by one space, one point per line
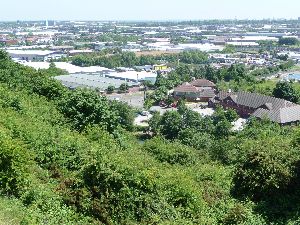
186 87
202 83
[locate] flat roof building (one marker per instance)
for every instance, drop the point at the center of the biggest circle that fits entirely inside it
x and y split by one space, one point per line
34 55
92 81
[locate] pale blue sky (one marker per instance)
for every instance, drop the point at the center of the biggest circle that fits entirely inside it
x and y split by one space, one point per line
147 9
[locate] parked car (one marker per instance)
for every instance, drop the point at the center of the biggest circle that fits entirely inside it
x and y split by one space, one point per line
145 113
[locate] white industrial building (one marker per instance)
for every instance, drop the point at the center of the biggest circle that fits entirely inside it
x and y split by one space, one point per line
133 76
34 55
70 68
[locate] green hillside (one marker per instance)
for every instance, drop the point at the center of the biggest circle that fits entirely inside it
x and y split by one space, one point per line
71 157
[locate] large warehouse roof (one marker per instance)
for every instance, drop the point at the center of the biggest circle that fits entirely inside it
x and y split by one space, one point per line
90 81
68 67
30 52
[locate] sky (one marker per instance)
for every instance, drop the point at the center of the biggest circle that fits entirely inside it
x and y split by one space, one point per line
147 9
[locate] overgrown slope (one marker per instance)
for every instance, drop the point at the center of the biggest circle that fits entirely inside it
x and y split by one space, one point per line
69 157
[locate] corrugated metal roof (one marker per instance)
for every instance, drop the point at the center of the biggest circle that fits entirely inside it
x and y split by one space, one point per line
255 100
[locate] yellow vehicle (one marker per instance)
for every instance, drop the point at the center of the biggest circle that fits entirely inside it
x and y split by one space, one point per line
160 67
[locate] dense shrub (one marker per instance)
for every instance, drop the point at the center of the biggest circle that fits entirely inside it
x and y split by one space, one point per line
14 163
171 152
85 107
263 175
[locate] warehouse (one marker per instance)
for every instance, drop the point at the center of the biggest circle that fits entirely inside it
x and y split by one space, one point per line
93 81
34 55
133 76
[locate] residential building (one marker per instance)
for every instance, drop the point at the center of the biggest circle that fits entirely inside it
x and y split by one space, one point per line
198 90
260 106
203 83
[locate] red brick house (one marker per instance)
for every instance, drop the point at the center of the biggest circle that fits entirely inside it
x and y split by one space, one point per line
251 104
198 90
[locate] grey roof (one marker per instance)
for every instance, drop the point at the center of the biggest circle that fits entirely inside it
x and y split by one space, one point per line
276 109
90 81
207 93
282 115
254 100
222 95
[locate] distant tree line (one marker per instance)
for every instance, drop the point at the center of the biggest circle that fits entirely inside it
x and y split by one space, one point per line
129 59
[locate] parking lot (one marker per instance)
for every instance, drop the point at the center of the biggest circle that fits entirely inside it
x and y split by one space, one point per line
135 99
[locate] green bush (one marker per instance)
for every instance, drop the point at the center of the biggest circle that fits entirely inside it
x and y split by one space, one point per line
262 175
171 152
14 163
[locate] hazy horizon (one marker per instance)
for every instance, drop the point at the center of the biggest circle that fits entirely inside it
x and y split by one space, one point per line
133 10
148 20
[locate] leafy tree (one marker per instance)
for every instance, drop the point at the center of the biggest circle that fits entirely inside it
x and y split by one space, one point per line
85 107
210 73
3 55
147 84
231 115
169 101
235 72
198 140
288 41
285 90
50 88
155 123
148 102
237 215
53 71
193 119
124 87
262 175
171 124
159 79
229 49
181 106
286 65
124 113
110 89
222 129
193 57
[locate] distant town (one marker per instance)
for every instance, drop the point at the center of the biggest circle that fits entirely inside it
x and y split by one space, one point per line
150 122
125 60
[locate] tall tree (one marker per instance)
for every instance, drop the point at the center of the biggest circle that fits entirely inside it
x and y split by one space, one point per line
286 91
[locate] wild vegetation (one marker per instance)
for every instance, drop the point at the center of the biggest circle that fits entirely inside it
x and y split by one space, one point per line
70 157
